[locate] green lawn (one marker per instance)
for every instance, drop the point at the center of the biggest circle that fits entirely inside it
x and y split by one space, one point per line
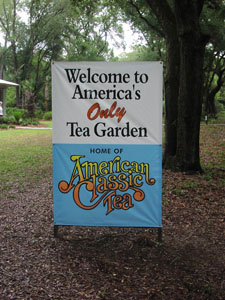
24 155
46 123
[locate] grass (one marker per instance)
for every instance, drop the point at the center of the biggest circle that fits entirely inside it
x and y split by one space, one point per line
24 155
48 124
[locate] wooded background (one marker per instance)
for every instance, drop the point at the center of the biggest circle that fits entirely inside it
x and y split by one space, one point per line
187 35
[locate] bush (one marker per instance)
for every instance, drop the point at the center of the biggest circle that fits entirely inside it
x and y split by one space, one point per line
29 121
24 123
14 115
12 126
11 110
47 116
38 114
3 126
18 115
7 120
35 123
221 115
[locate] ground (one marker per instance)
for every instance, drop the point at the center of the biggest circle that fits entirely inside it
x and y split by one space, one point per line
116 263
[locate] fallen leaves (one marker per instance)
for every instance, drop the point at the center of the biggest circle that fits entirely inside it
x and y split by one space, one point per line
118 263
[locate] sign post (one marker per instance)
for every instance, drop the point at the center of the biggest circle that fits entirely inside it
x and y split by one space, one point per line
107 143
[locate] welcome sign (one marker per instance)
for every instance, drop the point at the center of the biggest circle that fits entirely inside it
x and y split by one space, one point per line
107 143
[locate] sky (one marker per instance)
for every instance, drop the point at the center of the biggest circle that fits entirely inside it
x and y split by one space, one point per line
130 39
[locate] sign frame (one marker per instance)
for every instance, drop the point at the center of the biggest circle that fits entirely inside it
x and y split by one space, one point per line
108 96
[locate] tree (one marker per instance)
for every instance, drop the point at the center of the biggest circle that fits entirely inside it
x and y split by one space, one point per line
178 22
192 43
149 52
55 30
215 78
9 24
85 37
213 21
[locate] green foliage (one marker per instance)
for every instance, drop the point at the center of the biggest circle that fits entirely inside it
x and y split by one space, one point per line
38 114
7 120
35 123
18 116
3 120
212 23
12 126
143 53
57 30
24 123
79 30
47 116
3 126
10 97
10 111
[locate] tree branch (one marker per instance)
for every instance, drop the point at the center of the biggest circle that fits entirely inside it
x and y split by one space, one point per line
163 12
153 27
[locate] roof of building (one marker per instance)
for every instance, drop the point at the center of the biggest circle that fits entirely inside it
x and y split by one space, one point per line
4 83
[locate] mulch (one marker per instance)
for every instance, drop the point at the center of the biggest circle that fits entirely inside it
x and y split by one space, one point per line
119 263
115 263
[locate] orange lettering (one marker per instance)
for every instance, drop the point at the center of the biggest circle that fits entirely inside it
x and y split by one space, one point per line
95 111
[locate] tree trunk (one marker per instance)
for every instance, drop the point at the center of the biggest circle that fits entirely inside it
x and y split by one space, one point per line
184 80
171 101
190 103
14 50
46 98
192 46
167 21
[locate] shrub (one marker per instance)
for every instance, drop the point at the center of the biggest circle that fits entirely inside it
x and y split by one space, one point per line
3 126
12 126
38 114
11 110
221 114
9 119
24 123
28 121
47 116
3 120
35 123
18 115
